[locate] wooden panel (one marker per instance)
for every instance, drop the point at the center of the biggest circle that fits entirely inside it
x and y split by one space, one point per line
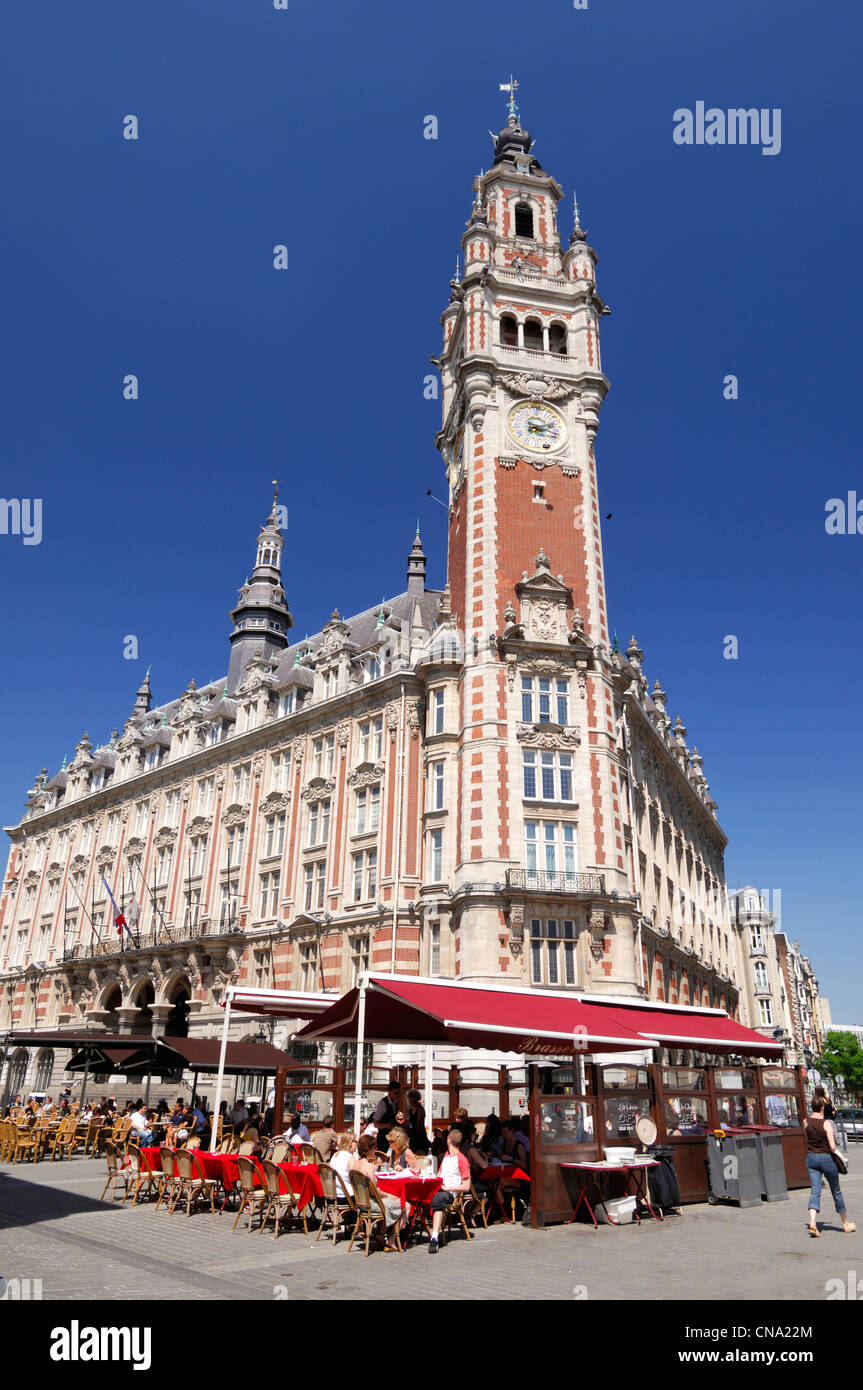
690 1162
794 1155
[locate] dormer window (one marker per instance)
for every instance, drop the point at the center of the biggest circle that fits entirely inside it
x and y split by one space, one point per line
524 220
372 669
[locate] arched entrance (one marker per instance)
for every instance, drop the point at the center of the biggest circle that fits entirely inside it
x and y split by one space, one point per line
110 1004
142 1000
177 1022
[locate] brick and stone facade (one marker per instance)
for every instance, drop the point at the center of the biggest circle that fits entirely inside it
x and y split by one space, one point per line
471 782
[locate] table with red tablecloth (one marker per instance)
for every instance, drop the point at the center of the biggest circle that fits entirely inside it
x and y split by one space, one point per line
495 1173
415 1191
303 1179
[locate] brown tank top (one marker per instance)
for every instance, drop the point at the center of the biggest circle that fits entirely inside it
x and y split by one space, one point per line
816 1136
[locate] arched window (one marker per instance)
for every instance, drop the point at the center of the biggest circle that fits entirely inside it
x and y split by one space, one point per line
533 334
508 331
557 339
44 1068
523 220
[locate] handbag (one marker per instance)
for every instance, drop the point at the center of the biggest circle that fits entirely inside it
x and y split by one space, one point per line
840 1161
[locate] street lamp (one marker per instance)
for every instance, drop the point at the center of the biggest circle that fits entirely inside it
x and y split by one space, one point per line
7 1059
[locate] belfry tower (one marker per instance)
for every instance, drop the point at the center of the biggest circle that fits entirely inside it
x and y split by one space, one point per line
522 389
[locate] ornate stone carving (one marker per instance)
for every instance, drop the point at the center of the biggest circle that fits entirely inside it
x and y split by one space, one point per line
165 838
298 749
199 825
511 669
540 388
343 735
275 802
548 735
235 814
365 774
105 858
79 863
414 713
391 717
318 788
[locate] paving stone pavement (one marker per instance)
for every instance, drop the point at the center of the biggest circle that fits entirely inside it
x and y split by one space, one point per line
54 1227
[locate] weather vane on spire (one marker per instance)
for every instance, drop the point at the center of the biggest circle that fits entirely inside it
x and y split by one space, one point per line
276 483
510 87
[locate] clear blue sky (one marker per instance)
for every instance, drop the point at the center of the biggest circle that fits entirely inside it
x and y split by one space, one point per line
260 127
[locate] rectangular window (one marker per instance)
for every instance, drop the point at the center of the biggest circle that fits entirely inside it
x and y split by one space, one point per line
324 755
274 839
547 776
270 884
235 841
206 788
319 823
434 948
308 968
372 668
544 701
368 809
550 848
552 951
365 866
280 770
757 943
437 771
197 850
359 957
765 1010
164 859
437 711
286 703
242 782
315 875
436 855
371 740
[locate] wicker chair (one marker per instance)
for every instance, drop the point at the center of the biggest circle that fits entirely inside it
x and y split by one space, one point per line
337 1206
368 1197
24 1141
117 1174
247 1147
192 1182
141 1173
170 1180
455 1213
279 1203
91 1140
307 1153
480 1201
279 1151
251 1196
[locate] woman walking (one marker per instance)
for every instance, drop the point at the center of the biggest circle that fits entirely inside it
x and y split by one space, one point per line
820 1148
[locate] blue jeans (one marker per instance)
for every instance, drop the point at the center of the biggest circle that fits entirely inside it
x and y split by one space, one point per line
822 1166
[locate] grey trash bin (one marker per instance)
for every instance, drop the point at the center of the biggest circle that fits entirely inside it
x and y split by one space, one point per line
734 1169
771 1166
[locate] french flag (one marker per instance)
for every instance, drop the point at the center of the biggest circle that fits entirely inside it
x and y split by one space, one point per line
119 920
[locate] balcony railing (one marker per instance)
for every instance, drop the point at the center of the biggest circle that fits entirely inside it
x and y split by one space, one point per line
165 936
555 883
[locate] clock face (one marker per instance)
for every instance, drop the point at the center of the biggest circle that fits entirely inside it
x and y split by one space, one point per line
536 426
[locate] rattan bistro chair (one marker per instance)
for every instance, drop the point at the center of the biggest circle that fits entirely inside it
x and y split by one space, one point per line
279 1151
337 1206
117 1174
141 1173
251 1196
456 1212
192 1182
280 1203
170 1180
307 1153
368 1199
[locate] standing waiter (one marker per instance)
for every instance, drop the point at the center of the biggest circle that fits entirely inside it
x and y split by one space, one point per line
385 1115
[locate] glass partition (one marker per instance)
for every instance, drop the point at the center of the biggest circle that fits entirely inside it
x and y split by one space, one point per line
738 1108
782 1109
622 1111
683 1079
686 1114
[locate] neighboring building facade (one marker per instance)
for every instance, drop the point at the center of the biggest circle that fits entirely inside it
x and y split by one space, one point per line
803 998
763 990
472 783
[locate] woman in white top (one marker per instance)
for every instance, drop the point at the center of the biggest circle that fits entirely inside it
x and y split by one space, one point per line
343 1161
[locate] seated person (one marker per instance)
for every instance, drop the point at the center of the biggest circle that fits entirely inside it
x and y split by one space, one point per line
297 1132
399 1154
395 1215
455 1172
180 1126
491 1142
343 1161
326 1140
140 1125
516 1145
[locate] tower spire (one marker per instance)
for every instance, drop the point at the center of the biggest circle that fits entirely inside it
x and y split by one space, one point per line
262 617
